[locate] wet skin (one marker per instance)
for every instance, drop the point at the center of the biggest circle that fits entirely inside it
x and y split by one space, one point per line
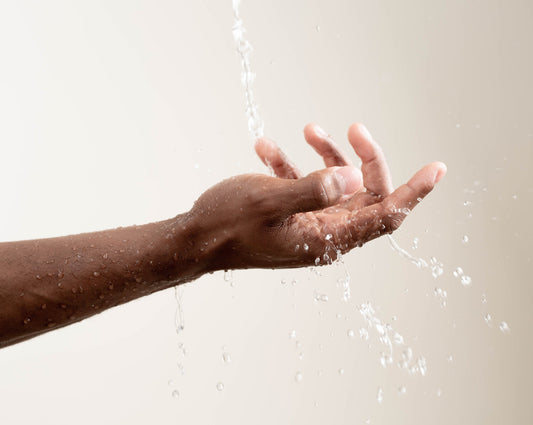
247 221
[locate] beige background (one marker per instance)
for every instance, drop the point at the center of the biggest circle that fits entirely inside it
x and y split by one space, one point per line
122 112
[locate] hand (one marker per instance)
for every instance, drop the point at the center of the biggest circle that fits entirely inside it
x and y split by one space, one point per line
291 220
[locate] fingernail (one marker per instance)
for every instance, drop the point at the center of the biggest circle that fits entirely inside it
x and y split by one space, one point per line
321 132
441 172
349 179
364 131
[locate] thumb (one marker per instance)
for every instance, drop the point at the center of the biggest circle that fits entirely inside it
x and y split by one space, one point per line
320 189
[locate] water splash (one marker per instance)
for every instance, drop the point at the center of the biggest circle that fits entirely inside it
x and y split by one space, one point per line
178 316
379 395
504 327
417 261
244 49
389 338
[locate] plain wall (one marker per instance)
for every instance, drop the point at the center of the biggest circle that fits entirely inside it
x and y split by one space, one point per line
121 112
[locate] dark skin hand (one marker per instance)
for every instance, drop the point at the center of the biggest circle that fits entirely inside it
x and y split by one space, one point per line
286 222
248 221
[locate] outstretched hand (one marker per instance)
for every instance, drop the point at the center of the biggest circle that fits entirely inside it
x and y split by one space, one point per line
293 220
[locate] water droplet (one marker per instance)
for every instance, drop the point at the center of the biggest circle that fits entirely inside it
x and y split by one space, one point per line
27 320
351 333
383 359
379 395
439 392
504 327
467 203
407 354
220 386
398 339
422 366
341 371
306 247
228 275
317 28
449 358
437 268
464 239
515 197
363 333
175 393
226 357
298 377
483 299
402 390
329 236
96 274
488 319
466 280
283 281
321 297
292 334
415 244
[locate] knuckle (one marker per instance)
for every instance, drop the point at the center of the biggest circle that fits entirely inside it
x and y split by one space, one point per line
320 191
392 221
257 199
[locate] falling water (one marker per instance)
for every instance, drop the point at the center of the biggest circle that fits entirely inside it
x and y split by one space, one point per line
244 49
391 341
387 335
178 316
179 325
417 261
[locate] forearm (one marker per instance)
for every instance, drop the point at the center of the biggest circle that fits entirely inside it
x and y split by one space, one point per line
49 283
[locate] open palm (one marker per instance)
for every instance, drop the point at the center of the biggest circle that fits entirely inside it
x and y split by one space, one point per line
373 210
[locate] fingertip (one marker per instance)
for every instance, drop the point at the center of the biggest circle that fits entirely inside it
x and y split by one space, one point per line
263 146
358 130
313 131
362 142
309 127
441 170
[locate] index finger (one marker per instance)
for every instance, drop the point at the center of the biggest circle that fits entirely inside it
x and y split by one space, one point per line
378 219
376 174
273 157
324 145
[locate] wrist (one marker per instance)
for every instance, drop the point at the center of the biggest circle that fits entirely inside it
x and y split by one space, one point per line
192 247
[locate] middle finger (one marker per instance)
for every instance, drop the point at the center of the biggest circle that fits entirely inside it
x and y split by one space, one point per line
324 145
